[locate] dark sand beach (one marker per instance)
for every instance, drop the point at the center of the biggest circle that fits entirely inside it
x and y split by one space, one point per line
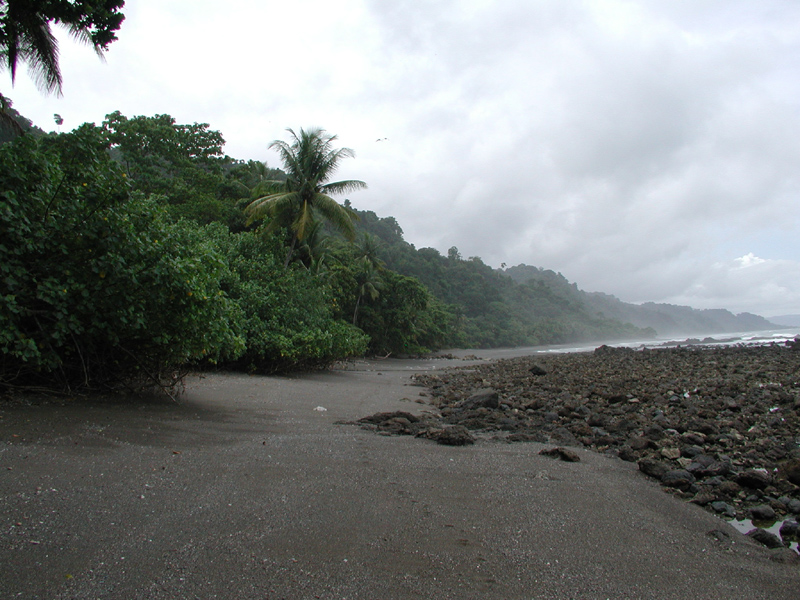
247 489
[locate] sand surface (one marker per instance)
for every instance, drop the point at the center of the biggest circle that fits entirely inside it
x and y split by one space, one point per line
244 490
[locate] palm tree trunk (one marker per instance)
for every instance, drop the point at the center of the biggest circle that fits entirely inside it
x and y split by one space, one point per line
355 312
291 252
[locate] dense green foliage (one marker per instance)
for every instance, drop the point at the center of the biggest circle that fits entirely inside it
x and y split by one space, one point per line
183 164
286 318
125 259
97 287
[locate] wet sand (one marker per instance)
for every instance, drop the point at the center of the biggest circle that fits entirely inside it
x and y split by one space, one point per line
245 490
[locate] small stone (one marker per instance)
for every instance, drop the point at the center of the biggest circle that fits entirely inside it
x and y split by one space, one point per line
762 512
561 453
793 506
753 479
653 468
678 478
791 470
724 509
728 488
691 451
702 499
670 453
790 530
770 540
457 435
640 443
487 398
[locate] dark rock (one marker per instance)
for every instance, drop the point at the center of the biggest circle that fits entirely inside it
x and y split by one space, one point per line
561 453
653 468
525 436
791 470
707 466
679 479
641 443
693 438
691 451
537 371
762 512
728 488
564 436
628 454
654 432
753 479
703 426
703 498
597 420
770 540
487 398
790 530
724 508
455 436
379 418
714 481
793 506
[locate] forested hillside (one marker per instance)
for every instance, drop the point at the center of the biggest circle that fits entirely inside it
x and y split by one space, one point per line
494 310
666 319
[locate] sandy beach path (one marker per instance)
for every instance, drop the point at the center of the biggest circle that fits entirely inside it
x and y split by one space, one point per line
243 490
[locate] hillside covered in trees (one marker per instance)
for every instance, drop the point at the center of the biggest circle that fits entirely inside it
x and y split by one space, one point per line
666 319
136 249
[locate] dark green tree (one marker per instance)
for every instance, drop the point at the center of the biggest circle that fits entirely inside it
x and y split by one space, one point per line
97 287
294 204
184 164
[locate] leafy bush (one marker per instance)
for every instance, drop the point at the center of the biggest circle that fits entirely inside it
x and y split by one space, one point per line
97 287
285 316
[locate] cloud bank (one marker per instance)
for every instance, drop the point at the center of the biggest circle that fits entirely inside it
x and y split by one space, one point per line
642 149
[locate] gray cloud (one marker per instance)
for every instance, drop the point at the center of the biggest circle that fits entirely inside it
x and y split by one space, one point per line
640 148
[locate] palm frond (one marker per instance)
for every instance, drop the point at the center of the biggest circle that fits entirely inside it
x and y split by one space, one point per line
340 217
343 187
28 38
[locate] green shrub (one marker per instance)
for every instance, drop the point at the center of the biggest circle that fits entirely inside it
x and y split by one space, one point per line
285 316
97 287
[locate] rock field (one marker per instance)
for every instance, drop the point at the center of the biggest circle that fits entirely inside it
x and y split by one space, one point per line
717 426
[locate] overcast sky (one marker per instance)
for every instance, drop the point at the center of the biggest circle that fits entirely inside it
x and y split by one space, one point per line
647 149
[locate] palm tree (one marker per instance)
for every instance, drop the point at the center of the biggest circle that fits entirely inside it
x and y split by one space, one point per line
25 34
309 161
369 284
368 248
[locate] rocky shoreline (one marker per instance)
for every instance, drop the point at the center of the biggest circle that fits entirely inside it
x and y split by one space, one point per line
717 426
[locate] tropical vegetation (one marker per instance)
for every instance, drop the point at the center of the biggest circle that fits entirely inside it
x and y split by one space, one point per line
295 201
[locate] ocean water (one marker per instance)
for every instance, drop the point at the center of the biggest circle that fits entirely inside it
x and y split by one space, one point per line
746 338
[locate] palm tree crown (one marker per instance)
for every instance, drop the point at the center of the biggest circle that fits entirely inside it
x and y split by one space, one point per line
25 33
309 161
